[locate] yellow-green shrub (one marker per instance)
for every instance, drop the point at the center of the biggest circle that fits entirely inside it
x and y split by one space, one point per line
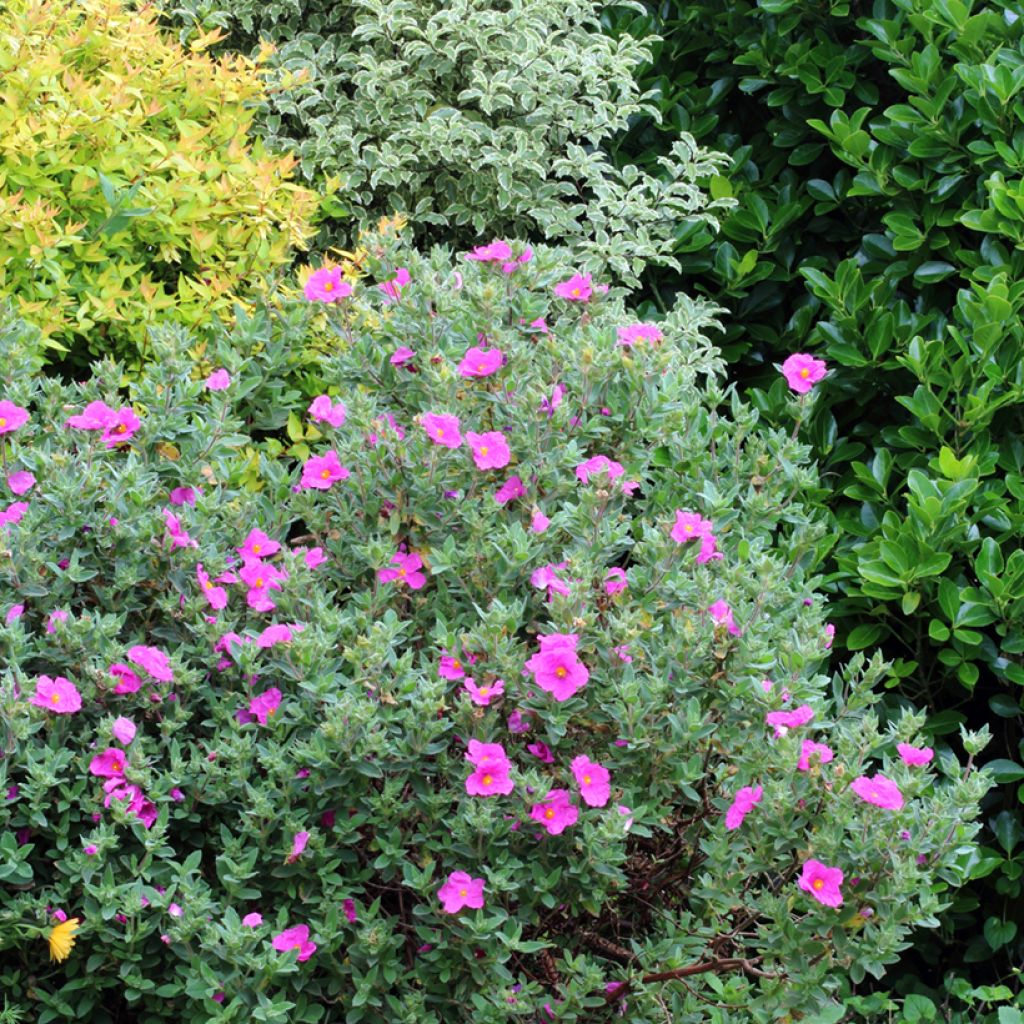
130 190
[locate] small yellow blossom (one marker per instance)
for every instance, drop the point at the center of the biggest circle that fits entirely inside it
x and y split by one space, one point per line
62 939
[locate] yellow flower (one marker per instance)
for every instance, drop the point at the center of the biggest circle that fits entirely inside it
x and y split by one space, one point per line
62 939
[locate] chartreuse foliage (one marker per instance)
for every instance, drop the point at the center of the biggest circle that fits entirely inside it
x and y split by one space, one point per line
877 163
131 191
366 750
470 117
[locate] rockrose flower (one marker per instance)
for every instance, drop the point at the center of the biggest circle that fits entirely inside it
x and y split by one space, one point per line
802 372
483 695
555 812
783 721
636 334
110 764
297 938
721 615
822 882
481 362
121 427
442 429
323 410
557 670
153 660
262 706
393 288
219 380
598 464
490 450
11 417
326 285
878 790
21 481
406 570
460 890
321 471
511 489
593 779
58 695
745 800
914 755
579 288
809 749
95 416
497 252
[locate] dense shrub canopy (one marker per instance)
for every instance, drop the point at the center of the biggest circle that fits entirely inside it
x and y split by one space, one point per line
276 708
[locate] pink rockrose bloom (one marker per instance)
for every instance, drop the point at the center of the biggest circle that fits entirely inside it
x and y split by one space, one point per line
58 695
297 938
313 557
483 695
541 751
481 362
708 549
511 489
95 416
539 523
442 429
490 780
802 372
490 450
745 800
110 764
14 513
689 526
593 779
263 705
253 920
406 570
598 464
326 285
822 882
11 416
636 334
401 356
487 755
257 545
914 755
278 633
14 613
21 482
127 680
547 577
323 410
830 633
217 596
261 577
219 380
179 537
348 908
123 730
153 660
497 252
393 289
451 667
121 427
878 790
299 841
540 324
182 496
461 891
549 405
721 615
558 671
615 581
783 721
579 288
321 471
555 812
58 615
809 749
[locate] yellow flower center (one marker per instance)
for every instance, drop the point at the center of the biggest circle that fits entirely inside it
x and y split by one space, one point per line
270 711
120 428
3 422
257 548
688 528
297 945
324 474
117 766
805 373
575 291
484 690
259 582
483 450
462 892
456 663
586 780
549 813
401 572
440 431
561 672
817 885
54 698
328 286
488 779
208 585
481 367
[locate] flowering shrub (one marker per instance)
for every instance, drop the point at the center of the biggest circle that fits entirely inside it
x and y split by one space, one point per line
506 701
470 118
130 188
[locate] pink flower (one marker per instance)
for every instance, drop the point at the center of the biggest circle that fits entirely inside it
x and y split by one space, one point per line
708 551
461 891
490 450
262 706
689 526
451 668
802 372
487 755
914 755
217 596
721 614
809 749
153 660
637 333
110 764
121 427
323 410
549 405
518 722
298 845
782 721
296 938
253 920
401 356
496 252
275 634
598 464
878 790
123 730
127 680
57 695
95 416
539 523
558 671
261 577
555 812
13 513
442 429
541 751
490 780
830 632
622 653
593 780
483 695
11 417
348 907
393 288
182 496
480 362
615 581
547 577
14 613
21 481
578 288
541 325
746 798
219 380
511 489
822 882
314 557
326 285
407 570
179 537
321 471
